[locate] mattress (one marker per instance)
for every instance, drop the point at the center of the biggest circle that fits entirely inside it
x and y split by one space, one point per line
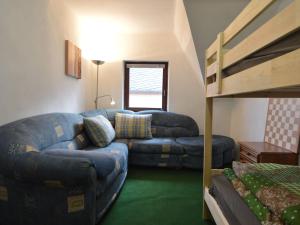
279 48
232 205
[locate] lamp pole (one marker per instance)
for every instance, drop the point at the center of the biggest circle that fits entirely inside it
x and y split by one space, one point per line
112 102
98 63
97 90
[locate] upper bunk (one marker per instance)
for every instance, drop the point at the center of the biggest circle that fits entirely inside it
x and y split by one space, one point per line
265 63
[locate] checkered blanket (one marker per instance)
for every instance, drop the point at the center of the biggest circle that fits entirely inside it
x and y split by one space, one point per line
271 191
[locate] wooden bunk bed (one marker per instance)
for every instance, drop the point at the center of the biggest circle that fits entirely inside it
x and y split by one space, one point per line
264 64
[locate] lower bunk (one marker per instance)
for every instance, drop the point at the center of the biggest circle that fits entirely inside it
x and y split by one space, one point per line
253 194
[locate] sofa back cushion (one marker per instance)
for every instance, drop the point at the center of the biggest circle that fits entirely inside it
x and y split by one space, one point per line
99 130
168 124
164 124
133 126
39 132
81 141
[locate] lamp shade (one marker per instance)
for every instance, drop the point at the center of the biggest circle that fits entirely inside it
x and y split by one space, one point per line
98 62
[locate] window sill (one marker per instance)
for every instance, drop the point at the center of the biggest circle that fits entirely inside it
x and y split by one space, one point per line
143 109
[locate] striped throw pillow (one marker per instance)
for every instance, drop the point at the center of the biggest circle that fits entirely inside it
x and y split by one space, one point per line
99 130
133 126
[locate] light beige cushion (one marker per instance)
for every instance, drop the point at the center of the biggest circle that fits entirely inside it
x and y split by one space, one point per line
133 126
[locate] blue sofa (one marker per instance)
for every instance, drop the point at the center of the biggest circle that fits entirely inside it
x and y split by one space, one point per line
50 173
176 142
46 180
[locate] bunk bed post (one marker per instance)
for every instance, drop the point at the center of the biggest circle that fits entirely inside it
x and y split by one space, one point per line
207 159
207 152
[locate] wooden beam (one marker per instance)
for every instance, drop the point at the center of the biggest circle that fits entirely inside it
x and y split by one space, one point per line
217 172
214 208
219 62
207 160
252 10
267 94
279 26
212 49
281 72
297 7
211 69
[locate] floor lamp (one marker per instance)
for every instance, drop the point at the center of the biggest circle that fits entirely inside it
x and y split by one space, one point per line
112 102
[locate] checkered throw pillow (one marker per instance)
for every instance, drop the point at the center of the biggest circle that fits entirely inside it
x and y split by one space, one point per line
133 126
99 130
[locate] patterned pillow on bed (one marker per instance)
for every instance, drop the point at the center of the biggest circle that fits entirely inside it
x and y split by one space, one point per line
99 130
133 126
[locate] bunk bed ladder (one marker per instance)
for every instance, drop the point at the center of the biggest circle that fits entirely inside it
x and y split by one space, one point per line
214 65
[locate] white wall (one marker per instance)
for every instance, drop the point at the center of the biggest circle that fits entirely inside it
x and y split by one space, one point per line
32 60
184 37
184 87
185 82
248 119
206 19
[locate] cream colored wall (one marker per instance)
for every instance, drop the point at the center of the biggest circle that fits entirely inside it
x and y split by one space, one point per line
206 18
185 82
222 108
32 60
184 87
248 119
184 37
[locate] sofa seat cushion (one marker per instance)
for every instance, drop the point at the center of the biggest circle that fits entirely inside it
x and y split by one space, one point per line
155 160
155 146
118 152
196 162
108 161
195 145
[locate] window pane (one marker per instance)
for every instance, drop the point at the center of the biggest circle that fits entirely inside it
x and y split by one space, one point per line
145 87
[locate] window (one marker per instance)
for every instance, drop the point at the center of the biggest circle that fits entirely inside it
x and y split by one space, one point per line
146 85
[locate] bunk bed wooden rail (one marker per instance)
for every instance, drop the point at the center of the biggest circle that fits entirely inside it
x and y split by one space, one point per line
218 58
277 77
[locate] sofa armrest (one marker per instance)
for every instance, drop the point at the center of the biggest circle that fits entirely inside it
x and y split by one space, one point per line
40 168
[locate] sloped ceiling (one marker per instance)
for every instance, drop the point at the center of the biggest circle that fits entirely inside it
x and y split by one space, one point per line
139 16
207 18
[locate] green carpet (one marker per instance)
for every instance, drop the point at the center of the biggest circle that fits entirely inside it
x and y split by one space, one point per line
158 197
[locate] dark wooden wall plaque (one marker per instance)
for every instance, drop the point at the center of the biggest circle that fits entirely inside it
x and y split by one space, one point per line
73 60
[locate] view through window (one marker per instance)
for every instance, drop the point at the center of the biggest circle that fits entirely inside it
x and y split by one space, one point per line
146 85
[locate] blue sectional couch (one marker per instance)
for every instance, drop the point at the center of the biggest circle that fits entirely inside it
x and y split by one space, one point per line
50 173
46 180
176 142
